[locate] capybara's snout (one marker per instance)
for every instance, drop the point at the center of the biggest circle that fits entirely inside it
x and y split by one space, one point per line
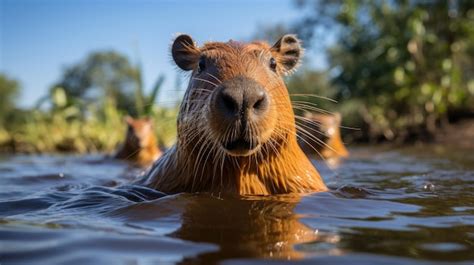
238 109
240 99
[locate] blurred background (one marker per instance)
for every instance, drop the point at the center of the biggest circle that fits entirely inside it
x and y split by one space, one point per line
400 71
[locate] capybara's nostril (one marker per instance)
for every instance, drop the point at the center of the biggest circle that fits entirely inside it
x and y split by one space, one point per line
229 103
261 101
257 100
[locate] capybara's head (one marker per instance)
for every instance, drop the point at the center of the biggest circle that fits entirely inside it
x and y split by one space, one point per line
236 103
139 131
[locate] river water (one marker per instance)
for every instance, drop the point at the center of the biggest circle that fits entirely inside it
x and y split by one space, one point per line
412 205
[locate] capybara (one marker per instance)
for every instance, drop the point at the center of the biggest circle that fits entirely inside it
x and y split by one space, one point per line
140 145
320 134
236 126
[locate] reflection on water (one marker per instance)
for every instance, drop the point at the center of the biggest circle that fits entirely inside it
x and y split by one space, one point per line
404 206
244 228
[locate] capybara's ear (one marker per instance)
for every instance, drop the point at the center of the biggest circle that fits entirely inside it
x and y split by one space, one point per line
185 53
288 53
148 122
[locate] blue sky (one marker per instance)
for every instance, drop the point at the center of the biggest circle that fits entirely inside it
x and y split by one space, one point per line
38 38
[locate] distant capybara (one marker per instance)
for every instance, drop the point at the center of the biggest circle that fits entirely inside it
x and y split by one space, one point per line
140 145
320 135
236 126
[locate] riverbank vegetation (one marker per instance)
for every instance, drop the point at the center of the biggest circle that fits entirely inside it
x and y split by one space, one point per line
399 70
84 112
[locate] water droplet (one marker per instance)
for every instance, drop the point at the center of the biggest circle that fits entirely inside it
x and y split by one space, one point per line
429 187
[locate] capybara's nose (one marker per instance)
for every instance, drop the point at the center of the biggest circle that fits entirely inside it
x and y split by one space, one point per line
241 97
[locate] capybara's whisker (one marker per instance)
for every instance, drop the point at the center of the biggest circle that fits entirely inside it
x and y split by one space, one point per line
210 151
349 128
303 130
204 80
304 140
301 120
302 106
213 76
313 95
316 150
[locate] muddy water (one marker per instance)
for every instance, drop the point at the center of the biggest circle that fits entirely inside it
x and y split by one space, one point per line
386 206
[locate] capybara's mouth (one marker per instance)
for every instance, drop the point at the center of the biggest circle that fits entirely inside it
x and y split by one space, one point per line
241 147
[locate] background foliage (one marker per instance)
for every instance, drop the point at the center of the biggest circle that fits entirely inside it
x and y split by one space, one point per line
399 70
84 111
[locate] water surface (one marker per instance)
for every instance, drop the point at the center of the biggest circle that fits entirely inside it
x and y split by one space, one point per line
386 206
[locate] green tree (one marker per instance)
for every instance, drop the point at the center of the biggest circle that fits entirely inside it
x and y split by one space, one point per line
9 90
102 76
106 77
407 64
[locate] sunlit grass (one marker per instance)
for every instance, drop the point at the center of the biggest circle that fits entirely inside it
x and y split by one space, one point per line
101 130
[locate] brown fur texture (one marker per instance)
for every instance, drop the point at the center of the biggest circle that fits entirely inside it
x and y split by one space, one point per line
140 144
322 135
198 162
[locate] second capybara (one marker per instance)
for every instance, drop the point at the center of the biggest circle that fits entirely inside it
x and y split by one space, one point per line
320 134
140 145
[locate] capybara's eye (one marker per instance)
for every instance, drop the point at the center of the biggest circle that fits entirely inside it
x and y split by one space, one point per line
273 64
202 64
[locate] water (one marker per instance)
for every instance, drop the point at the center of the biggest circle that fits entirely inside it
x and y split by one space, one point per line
386 206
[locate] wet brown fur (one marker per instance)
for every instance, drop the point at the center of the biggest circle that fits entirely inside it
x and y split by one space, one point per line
196 163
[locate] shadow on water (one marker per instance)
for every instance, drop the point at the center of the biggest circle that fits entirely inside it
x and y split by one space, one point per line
406 206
